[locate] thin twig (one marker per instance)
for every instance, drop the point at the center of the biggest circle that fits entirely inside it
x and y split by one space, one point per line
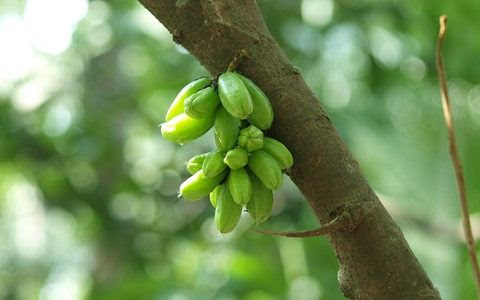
447 112
346 218
334 225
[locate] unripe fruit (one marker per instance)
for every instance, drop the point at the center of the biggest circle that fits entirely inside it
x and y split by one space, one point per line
215 194
177 106
202 103
266 169
240 186
183 129
262 114
261 203
234 95
238 123
236 158
213 164
195 163
279 152
250 138
227 212
226 129
199 186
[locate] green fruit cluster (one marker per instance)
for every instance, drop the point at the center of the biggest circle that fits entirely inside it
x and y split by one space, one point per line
247 166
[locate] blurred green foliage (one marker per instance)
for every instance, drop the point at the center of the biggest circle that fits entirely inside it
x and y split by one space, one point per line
88 205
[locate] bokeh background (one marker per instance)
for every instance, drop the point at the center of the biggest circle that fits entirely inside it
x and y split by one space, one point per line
88 205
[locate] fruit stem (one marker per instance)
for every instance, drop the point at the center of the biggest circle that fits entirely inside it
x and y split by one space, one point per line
237 60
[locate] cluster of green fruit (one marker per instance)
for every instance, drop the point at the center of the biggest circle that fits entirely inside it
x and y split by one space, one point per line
246 167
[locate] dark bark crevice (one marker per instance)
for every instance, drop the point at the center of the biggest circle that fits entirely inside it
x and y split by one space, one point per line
375 260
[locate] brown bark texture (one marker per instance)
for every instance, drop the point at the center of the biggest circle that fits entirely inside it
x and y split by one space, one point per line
375 261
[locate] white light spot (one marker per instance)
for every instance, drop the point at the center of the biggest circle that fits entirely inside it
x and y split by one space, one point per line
57 120
124 206
317 12
29 96
98 12
36 91
414 68
147 211
29 219
474 104
52 22
22 198
337 90
385 47
16 56
145 174
305 288
142 148
66 283
342 51
100 38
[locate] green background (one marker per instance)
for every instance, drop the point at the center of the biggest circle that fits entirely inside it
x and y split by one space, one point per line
88 205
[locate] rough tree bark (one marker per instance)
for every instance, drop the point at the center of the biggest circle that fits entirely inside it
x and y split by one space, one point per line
375 261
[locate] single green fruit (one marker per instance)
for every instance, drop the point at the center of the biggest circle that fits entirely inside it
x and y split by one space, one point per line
202 103
227 212
261 203
177 107
198 186
251 138
262 114
215 194
266 169
236 158
279 152
240 186
213 164
183 129
226 129
195 163
234 95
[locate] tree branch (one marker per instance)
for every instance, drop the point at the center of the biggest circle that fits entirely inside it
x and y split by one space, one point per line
374 259
462 192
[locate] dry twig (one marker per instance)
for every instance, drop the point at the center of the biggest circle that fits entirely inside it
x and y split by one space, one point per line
447 112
